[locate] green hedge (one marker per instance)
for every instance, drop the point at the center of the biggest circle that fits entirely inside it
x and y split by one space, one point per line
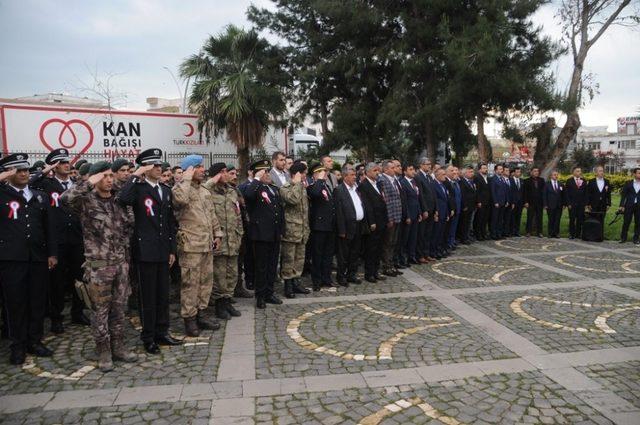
615 180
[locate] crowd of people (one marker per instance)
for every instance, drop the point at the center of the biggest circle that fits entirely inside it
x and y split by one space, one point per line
109 233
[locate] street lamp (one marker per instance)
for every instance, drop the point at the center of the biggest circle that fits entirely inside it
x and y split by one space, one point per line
183 98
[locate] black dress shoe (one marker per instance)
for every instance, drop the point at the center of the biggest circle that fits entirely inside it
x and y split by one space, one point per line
57 327
390 272
379 277
17 356
354 280
272 299
299 289
398 272
343 283
151 348
370 279
81 320
260 303
401 266
39 350
167 340
330 284
316 286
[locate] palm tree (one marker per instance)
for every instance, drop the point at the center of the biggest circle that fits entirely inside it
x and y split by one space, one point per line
238 88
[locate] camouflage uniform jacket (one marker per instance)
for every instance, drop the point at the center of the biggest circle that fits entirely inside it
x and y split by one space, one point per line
229 212
106 225
198 223
296 212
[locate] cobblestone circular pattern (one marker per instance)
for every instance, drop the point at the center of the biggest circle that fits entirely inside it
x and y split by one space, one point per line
534 245
595 265
465 273
388 286
384 334
522 398
566 320
72 366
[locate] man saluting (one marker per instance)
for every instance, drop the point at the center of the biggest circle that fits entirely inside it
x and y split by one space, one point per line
154 246
107 228
27 251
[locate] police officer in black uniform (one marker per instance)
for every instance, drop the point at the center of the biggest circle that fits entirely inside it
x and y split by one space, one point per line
154 246
266 227
27 251
69 237
322 221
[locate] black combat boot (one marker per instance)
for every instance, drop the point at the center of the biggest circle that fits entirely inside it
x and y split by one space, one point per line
205 323
230 308
191 327
288 289
221 311
298 288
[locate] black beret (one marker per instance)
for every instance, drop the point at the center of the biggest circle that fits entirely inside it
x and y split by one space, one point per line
118 164
216 168
99 167
79 163
84 168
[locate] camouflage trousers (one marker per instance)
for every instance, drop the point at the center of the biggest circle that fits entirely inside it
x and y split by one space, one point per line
108 288
225 275
197 281
291 260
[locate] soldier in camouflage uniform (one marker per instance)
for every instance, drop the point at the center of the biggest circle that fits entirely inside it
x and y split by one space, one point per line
225 260
106 228
296 234
198 235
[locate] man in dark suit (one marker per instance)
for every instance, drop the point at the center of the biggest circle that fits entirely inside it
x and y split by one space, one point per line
350 222
469 203
630 206
266 227
553 199
533 189
599 195
517 199
576 200
376 213
442 215
398 259
481 220
500 202
507 224
428 202
27 251
414 215
154 248
322 212
390 189
69 238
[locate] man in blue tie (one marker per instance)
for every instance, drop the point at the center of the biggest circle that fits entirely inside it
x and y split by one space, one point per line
438 248
499 200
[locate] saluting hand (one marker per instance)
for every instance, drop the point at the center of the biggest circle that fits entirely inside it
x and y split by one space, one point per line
215 179
94 179
141 170
8 173
322 175
297 178
46 170
188 173
259 174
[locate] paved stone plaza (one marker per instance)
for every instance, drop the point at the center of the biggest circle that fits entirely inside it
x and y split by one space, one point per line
522 331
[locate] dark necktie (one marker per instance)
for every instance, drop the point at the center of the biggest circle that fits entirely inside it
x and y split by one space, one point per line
65 185
21 192
159 191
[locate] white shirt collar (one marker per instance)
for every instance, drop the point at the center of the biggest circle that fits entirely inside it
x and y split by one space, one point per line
26 192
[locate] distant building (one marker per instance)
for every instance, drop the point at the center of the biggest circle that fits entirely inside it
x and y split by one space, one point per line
158 104
620 149
59 99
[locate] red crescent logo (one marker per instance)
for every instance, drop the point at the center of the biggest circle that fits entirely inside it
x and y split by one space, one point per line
190 130
68 134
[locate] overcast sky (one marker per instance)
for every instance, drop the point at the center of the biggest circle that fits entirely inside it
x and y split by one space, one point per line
49 45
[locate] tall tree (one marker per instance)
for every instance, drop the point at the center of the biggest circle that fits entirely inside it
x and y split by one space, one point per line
237 88
583 24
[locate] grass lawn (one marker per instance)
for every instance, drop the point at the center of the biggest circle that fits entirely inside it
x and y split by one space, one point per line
610 232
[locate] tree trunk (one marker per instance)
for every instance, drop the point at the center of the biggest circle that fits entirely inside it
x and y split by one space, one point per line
567 134
483 143
243 162
430 145
324 118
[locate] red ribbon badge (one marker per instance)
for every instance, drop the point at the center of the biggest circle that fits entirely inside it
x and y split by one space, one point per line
55 196
148 202
266 197
13 213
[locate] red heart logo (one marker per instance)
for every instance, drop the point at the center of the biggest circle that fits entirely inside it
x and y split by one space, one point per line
69 134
